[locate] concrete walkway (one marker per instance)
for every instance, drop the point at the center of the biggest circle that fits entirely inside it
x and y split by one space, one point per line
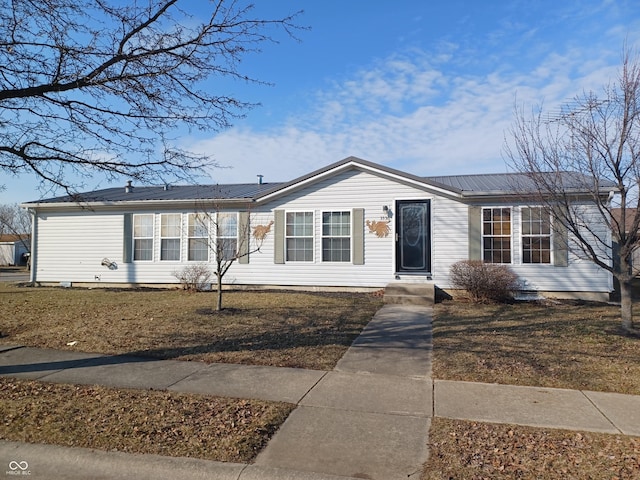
368 418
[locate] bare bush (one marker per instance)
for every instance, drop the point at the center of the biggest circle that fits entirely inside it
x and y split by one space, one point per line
194 278
485 282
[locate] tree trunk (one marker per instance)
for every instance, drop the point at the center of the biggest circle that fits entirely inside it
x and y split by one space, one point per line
626 306
219 300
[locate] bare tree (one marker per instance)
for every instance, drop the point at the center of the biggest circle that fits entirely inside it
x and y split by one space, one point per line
16 221
220 238
93 86
596 138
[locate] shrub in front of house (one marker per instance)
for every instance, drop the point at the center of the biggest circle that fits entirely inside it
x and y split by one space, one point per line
485 282
195 277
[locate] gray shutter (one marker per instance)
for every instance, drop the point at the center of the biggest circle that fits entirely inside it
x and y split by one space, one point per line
244 237
560 241
357 230
127 240
475 233
278 239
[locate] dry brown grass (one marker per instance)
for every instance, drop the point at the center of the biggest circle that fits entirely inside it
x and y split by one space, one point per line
552 344
137 421
479 451
289 329
265 328
574 345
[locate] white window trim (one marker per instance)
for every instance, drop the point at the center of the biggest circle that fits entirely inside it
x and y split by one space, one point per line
218 237
312 237
510 236
207 237
350 236
551 239
179 237
134 237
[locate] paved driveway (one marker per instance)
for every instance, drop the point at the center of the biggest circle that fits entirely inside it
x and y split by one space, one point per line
14 275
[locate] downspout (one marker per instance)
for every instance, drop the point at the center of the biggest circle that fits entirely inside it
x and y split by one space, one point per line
34 235
608 206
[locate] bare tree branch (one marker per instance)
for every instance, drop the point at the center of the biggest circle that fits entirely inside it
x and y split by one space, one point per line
16 221
93 85
590 146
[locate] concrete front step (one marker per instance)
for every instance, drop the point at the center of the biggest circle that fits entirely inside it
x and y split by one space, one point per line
410 294
408 300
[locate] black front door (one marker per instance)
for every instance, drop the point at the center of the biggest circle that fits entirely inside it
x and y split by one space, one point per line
413 236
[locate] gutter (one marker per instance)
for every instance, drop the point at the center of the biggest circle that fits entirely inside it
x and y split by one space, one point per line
135 203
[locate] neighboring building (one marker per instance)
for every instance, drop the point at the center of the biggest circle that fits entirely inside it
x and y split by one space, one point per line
351 224
14 249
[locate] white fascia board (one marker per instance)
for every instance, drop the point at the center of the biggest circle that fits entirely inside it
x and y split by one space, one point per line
138 204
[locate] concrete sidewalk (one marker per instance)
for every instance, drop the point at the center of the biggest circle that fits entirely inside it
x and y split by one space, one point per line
123 371
538 407
368 418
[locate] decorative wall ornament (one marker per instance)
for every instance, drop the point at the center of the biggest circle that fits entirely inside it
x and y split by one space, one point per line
380 228
261 231
109 264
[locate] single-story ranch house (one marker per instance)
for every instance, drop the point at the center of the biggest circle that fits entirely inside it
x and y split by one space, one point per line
351 224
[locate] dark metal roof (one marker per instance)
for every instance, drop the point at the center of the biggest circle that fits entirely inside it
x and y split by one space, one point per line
476 183
243 191
464 185
516 183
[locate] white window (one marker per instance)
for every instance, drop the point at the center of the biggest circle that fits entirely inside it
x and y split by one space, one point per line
299 236
198 237
143 237
227 236
496 235
170 232
536 235
336 236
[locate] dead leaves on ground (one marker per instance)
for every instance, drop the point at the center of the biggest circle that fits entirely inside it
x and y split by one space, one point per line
163 423
479 451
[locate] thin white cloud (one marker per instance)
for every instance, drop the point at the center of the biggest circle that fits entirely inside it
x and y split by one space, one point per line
409 113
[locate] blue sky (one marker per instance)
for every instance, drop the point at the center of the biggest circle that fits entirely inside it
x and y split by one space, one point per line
424 86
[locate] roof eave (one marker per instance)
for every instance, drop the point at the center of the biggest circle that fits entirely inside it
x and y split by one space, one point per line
354 162
206 202
477 194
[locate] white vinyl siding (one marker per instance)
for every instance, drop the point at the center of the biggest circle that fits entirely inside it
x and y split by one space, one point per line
143 238
336 236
